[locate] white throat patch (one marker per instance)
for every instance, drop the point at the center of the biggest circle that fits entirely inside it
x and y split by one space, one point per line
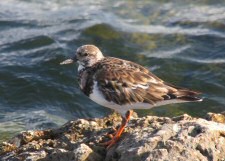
80 67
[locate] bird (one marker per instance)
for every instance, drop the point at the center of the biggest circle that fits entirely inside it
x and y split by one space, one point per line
123 85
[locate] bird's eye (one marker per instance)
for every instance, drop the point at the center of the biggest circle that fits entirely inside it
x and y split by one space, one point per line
85 54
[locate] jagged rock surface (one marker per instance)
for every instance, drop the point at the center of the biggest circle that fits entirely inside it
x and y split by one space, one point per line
147 138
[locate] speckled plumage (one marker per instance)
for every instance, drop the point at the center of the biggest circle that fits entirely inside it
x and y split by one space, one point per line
124 83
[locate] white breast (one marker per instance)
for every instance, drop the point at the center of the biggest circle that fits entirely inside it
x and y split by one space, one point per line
98 97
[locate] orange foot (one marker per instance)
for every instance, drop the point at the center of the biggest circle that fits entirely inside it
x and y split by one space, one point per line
118 133
113 133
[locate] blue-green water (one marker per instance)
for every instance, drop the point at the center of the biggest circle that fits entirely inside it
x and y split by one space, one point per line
183 42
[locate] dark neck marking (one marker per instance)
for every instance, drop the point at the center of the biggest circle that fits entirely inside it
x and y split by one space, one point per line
86 80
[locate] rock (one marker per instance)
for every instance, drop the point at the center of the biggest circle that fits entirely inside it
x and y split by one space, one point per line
216 117
84 152
147 138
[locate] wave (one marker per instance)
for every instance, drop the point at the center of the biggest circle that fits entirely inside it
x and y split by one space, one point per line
23 121
167 54
205 61
200 14
158 29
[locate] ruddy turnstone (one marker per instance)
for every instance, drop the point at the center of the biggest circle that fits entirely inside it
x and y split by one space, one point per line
123 85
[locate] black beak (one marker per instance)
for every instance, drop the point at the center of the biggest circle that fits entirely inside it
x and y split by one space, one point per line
69 61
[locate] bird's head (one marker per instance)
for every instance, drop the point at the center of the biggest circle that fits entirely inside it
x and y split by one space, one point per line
85 56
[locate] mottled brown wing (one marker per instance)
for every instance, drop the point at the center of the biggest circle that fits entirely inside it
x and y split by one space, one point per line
125 82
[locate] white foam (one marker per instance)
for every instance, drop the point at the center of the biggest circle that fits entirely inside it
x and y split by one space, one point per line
200 14
206 61
168 53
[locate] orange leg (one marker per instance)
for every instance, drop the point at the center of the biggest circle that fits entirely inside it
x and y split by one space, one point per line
119 131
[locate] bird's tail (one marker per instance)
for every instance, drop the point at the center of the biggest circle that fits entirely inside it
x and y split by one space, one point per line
186 94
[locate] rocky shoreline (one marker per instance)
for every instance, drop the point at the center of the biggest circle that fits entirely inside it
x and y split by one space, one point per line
147 138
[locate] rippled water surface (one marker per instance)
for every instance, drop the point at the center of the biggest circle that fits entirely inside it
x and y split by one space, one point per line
183 42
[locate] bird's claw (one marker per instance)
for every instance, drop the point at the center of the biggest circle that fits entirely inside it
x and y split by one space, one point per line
111 142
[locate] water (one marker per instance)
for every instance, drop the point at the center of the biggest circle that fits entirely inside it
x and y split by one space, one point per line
183 42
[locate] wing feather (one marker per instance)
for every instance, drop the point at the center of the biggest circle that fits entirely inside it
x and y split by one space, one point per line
125 82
